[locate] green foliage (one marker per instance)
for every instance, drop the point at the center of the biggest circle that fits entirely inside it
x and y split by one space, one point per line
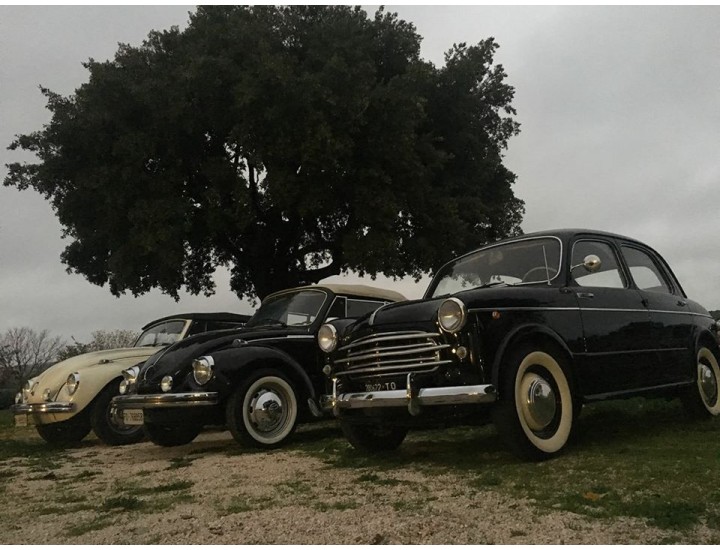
286 143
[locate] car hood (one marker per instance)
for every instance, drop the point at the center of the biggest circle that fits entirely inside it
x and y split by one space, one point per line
55 376
410 315
176 360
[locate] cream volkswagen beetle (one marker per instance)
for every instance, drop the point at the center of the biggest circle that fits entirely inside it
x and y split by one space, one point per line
73 396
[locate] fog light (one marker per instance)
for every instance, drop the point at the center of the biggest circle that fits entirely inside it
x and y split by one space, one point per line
461 352
166 383
327 369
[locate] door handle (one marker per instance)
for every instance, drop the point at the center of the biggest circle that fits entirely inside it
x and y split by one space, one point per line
645 302
585 295
681 303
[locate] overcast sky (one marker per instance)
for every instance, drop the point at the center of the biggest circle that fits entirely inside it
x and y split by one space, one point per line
620 115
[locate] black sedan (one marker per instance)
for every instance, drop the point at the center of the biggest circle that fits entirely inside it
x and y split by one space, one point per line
528 329
259 381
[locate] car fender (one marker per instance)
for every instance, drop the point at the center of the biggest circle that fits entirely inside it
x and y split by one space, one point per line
230 361
518 333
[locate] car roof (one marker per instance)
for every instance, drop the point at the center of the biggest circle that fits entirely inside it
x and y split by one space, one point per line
222 316
360 291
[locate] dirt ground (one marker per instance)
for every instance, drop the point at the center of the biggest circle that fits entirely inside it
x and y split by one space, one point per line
213 492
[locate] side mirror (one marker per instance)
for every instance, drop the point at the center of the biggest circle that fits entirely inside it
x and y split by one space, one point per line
591 263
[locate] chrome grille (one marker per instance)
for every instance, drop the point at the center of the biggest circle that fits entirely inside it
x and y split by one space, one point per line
391 353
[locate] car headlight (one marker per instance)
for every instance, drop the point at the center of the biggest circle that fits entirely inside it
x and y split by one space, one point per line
203 369
18 398
129 378
46 394
452 315
73 381
327 338
166 383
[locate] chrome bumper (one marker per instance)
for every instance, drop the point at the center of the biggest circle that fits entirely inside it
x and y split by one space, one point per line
165 400
34 408
413 399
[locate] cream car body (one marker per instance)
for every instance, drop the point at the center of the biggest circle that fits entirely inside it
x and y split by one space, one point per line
64 415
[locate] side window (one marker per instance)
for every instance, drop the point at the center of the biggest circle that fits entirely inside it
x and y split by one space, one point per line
608 276
644 271
337 310
358 308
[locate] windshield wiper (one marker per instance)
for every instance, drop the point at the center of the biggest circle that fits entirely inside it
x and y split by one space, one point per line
493 283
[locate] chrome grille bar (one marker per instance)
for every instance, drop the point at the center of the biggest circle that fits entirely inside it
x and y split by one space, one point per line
389 336
381 353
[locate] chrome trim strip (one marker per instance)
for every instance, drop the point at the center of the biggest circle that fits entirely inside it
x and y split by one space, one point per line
381 354
400 368
623 352
423 346
34 408
389 336
614 310
165 400
448 395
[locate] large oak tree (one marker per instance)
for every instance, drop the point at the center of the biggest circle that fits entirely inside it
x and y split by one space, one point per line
286 143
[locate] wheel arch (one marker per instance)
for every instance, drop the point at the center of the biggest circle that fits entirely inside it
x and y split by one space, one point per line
532 334
235 363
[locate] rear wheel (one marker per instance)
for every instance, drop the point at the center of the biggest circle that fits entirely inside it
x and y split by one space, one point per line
104 425
263 411
535 414
702 400
373 438
66 432
169 435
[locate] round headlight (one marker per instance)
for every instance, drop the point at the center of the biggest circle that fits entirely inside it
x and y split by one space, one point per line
327 338
452 315
203 369
166 383
123 387
73 381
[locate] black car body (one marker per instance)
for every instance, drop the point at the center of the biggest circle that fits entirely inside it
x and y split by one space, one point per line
528 329
259 381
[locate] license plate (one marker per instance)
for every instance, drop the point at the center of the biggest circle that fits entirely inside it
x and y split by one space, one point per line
21 420
133 417
383 386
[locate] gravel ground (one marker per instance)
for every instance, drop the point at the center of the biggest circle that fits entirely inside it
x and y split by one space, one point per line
212 492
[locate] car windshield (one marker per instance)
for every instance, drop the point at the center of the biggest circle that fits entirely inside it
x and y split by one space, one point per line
521 262
162 334
299 308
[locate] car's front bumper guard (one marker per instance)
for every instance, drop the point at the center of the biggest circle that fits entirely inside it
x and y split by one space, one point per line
35 408
165 400
413 398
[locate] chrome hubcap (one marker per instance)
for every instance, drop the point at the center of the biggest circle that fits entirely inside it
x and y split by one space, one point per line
266 411
707 382
539 402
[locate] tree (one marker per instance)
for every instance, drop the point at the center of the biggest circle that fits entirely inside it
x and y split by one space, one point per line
25 353
286 143
101 340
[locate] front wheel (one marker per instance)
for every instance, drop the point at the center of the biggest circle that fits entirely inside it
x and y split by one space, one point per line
702 400
535 413
170 435
373 438
263 411
105 426
66 432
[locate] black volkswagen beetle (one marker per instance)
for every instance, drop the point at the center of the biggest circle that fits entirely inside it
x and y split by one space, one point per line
528 329
259 381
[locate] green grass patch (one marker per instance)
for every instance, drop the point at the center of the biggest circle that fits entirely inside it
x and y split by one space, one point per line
243 503
340 505
80 528
168 487
180 462
123 502
637 458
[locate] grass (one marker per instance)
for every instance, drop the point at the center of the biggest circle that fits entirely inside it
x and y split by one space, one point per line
636 458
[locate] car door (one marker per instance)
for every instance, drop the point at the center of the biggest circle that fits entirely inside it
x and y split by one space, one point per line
671 318
616 323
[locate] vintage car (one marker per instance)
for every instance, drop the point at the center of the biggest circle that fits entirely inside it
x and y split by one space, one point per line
73 396
526 329
259 381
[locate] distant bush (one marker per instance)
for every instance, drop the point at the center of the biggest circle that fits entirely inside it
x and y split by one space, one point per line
7 397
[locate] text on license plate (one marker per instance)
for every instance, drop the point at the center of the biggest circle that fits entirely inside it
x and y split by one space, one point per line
133 417
381 386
